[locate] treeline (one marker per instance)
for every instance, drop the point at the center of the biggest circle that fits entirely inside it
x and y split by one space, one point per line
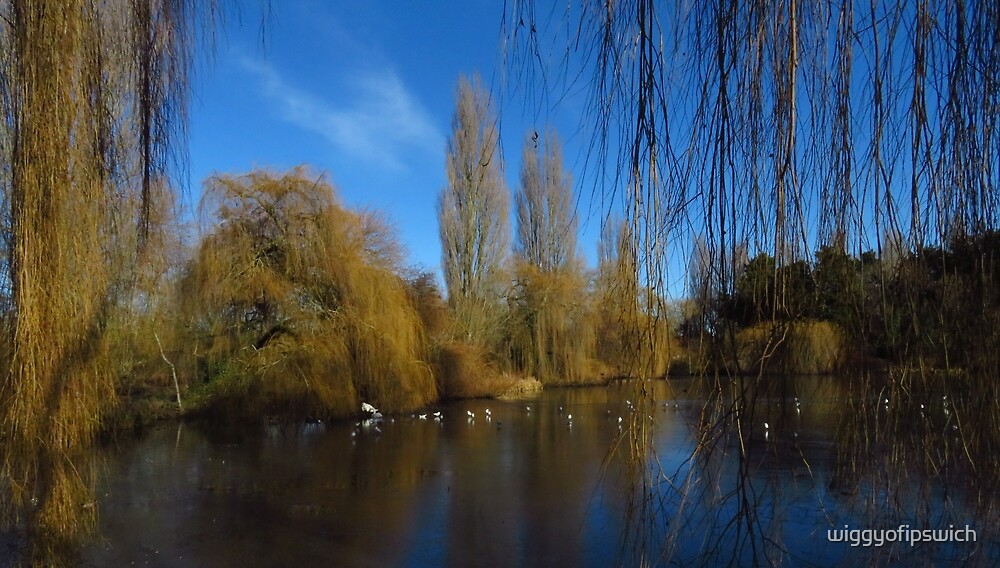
289 304
929 308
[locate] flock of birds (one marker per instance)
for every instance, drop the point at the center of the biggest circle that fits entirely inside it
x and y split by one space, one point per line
945 408
372 418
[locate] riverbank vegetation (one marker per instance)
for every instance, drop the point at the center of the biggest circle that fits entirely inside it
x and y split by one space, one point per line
94 96
827 171
287 303
284 303
827 238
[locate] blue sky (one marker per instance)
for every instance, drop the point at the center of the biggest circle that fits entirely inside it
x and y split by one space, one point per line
364 92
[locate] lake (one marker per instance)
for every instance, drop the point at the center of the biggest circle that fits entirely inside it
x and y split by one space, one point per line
551 480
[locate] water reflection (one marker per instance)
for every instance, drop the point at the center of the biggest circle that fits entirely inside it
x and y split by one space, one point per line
688 475
509 490
779 462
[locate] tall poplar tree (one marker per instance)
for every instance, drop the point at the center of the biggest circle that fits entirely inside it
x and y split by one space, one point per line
473 216
553 338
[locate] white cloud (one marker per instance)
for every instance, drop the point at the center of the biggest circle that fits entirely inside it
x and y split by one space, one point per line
379 121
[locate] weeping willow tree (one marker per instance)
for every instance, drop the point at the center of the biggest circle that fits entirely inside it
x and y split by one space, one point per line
296 305
553 335
93 101
779 128
633 338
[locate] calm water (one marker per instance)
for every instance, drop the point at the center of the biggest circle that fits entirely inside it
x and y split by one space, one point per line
532 488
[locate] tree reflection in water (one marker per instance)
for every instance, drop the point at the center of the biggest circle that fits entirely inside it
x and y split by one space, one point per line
695 484
857 452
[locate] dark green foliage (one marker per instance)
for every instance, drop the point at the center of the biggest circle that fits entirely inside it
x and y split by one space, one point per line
934 307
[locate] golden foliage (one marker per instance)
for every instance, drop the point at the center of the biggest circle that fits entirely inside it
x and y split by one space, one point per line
635 338
816 347
426 297
297 304
805 347
94 94
464 371
551 328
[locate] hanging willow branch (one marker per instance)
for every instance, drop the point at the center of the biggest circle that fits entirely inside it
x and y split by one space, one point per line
94 101
738 138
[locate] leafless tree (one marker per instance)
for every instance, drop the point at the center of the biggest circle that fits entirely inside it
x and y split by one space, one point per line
554 339
546 219
473 214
